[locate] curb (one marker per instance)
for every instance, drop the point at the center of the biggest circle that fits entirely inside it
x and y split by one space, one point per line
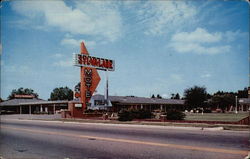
125 125
109 124
213 129
137 125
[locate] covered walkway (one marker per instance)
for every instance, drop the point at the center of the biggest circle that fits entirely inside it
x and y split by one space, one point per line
32 106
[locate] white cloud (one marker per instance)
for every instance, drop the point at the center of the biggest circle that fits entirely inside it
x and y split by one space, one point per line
95 18
206 75
2 63
76 43
200 35
165 96
17 69
70 41
64 63
199 41
233 35
177 78
58 55
130 3
162 16
1 48
198 48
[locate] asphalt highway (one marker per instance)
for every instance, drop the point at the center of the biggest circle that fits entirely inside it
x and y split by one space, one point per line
24 139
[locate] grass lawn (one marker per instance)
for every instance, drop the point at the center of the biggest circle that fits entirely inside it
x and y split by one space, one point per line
216 116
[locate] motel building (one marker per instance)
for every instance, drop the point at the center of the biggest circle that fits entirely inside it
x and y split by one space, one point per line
27 104
131 102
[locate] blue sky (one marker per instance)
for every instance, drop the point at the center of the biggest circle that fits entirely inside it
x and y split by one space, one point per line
160 47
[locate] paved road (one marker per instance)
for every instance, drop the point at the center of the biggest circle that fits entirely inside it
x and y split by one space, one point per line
39 139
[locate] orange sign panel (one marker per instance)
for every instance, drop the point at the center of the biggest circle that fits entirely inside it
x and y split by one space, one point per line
89 80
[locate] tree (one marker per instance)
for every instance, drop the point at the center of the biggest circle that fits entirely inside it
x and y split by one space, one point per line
223 100
195 96
209 96
175 96
243 93
158 96
22 91
172 96
78 87
153 96
62 93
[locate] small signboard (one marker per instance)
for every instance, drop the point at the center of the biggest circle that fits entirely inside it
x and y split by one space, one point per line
241 100
78 105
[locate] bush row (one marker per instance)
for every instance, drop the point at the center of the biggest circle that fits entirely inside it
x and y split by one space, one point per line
128 115
175 115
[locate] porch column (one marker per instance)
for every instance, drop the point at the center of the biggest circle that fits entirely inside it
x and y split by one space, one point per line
20 109
41 108
29 109
54 108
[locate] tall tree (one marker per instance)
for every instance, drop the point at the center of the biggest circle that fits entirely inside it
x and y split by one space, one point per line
78 87
172 96
177 96
153 96
62 93
195 96
158 96
223 101
243 93
22 91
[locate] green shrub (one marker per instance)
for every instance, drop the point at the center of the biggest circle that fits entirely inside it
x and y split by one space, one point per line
89 111
207 111
144 114
175 115
126 115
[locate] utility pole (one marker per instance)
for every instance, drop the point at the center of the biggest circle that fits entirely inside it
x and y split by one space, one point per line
236 105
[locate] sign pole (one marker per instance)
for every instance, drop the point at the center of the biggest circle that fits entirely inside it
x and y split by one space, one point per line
106 90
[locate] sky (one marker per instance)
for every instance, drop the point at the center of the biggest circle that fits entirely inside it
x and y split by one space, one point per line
159 47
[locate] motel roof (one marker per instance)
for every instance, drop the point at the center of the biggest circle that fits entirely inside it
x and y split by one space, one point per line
114 99
18 101
44 102
139 100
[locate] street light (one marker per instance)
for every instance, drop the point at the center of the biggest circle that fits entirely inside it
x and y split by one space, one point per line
236 105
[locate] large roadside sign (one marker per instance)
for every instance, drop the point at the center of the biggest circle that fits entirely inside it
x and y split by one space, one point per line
94 62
